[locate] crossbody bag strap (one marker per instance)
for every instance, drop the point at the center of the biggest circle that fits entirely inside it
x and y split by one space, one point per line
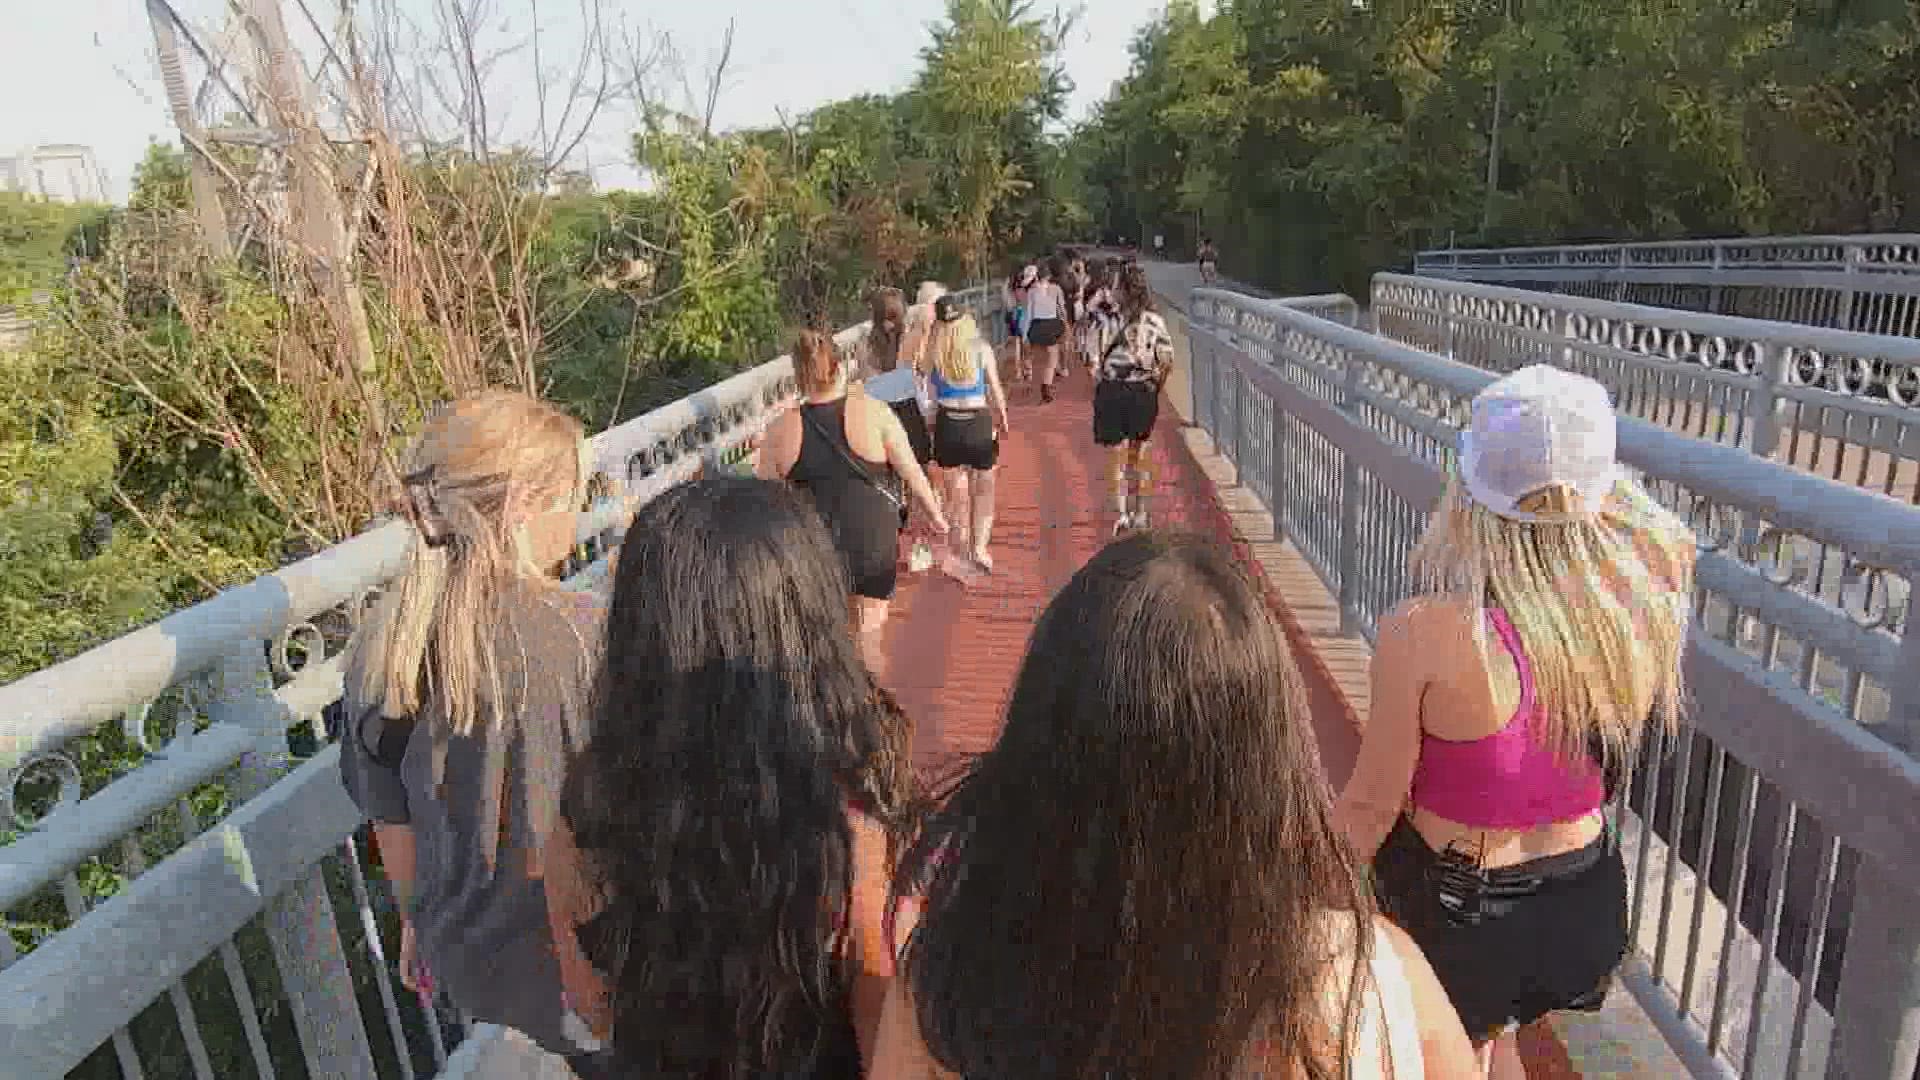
859 467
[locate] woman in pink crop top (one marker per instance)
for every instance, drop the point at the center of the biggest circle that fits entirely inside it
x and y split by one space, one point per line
1546 639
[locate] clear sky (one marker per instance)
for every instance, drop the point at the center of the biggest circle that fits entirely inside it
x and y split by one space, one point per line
83 71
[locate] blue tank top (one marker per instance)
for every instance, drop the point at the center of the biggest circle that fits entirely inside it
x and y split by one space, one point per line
946 391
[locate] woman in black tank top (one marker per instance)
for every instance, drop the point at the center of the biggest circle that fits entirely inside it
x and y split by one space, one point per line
823 447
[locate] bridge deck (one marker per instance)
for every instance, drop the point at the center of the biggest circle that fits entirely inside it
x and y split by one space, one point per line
953 649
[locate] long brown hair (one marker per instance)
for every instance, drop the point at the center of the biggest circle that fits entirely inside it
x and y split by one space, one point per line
888 311
816 362
1144 869
1135 296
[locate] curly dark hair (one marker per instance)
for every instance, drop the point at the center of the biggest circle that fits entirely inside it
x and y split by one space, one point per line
1143 874
734 723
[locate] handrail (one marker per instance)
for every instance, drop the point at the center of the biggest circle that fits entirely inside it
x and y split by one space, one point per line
1868 283
1845 242
1819 339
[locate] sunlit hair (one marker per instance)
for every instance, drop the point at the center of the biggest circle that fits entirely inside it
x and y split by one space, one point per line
734 721
1600 601
917 340
956 350
888 312
435 634
816 362
1142 876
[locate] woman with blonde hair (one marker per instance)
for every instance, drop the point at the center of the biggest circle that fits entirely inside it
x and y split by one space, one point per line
969 420
1509 696
465 692
850 453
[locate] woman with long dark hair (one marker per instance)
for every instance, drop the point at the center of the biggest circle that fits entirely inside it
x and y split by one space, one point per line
854 457
1143 877
719 868
1544 644
893 375
1135 357
885 379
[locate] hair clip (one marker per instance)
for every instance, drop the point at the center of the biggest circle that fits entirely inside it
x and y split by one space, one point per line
423 507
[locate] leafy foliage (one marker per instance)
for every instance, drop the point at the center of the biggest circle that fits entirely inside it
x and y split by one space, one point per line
1329 139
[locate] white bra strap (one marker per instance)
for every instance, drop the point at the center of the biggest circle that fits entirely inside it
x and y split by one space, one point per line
1400 1026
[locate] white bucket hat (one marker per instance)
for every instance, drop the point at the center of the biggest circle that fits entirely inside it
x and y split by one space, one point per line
1537 428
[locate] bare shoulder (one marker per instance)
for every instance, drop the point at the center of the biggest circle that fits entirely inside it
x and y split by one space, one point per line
1419 618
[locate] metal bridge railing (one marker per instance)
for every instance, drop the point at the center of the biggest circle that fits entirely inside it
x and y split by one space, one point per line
1868 283
249 909
1775 847
1841 404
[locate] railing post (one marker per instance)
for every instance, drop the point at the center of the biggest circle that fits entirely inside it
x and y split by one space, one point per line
1876 1018
1348 540
299 922
1849 262
1713 290
1761 418
1278 488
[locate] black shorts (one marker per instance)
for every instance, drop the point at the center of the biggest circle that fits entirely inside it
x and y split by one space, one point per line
874 570
1550 933
1124 412
964 439
1045 332
915 422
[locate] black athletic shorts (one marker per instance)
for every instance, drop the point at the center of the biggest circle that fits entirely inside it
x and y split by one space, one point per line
915 422
874 569
1124 411
964 439
1045 332
1549 935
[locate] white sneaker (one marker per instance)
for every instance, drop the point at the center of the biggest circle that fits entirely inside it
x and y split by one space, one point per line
1121 526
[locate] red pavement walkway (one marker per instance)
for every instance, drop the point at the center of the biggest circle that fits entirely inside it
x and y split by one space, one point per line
953 649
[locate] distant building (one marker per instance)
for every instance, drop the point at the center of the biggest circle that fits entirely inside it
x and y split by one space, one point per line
62 172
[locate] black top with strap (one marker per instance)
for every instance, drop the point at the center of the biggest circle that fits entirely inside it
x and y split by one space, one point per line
846 490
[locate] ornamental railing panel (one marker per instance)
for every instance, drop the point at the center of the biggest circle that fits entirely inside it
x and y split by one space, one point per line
1841 404
1867 283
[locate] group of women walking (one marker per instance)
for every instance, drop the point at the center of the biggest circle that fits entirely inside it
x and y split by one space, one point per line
927 393
674 831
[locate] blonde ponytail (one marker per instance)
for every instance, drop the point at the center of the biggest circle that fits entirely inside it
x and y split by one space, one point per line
432 636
